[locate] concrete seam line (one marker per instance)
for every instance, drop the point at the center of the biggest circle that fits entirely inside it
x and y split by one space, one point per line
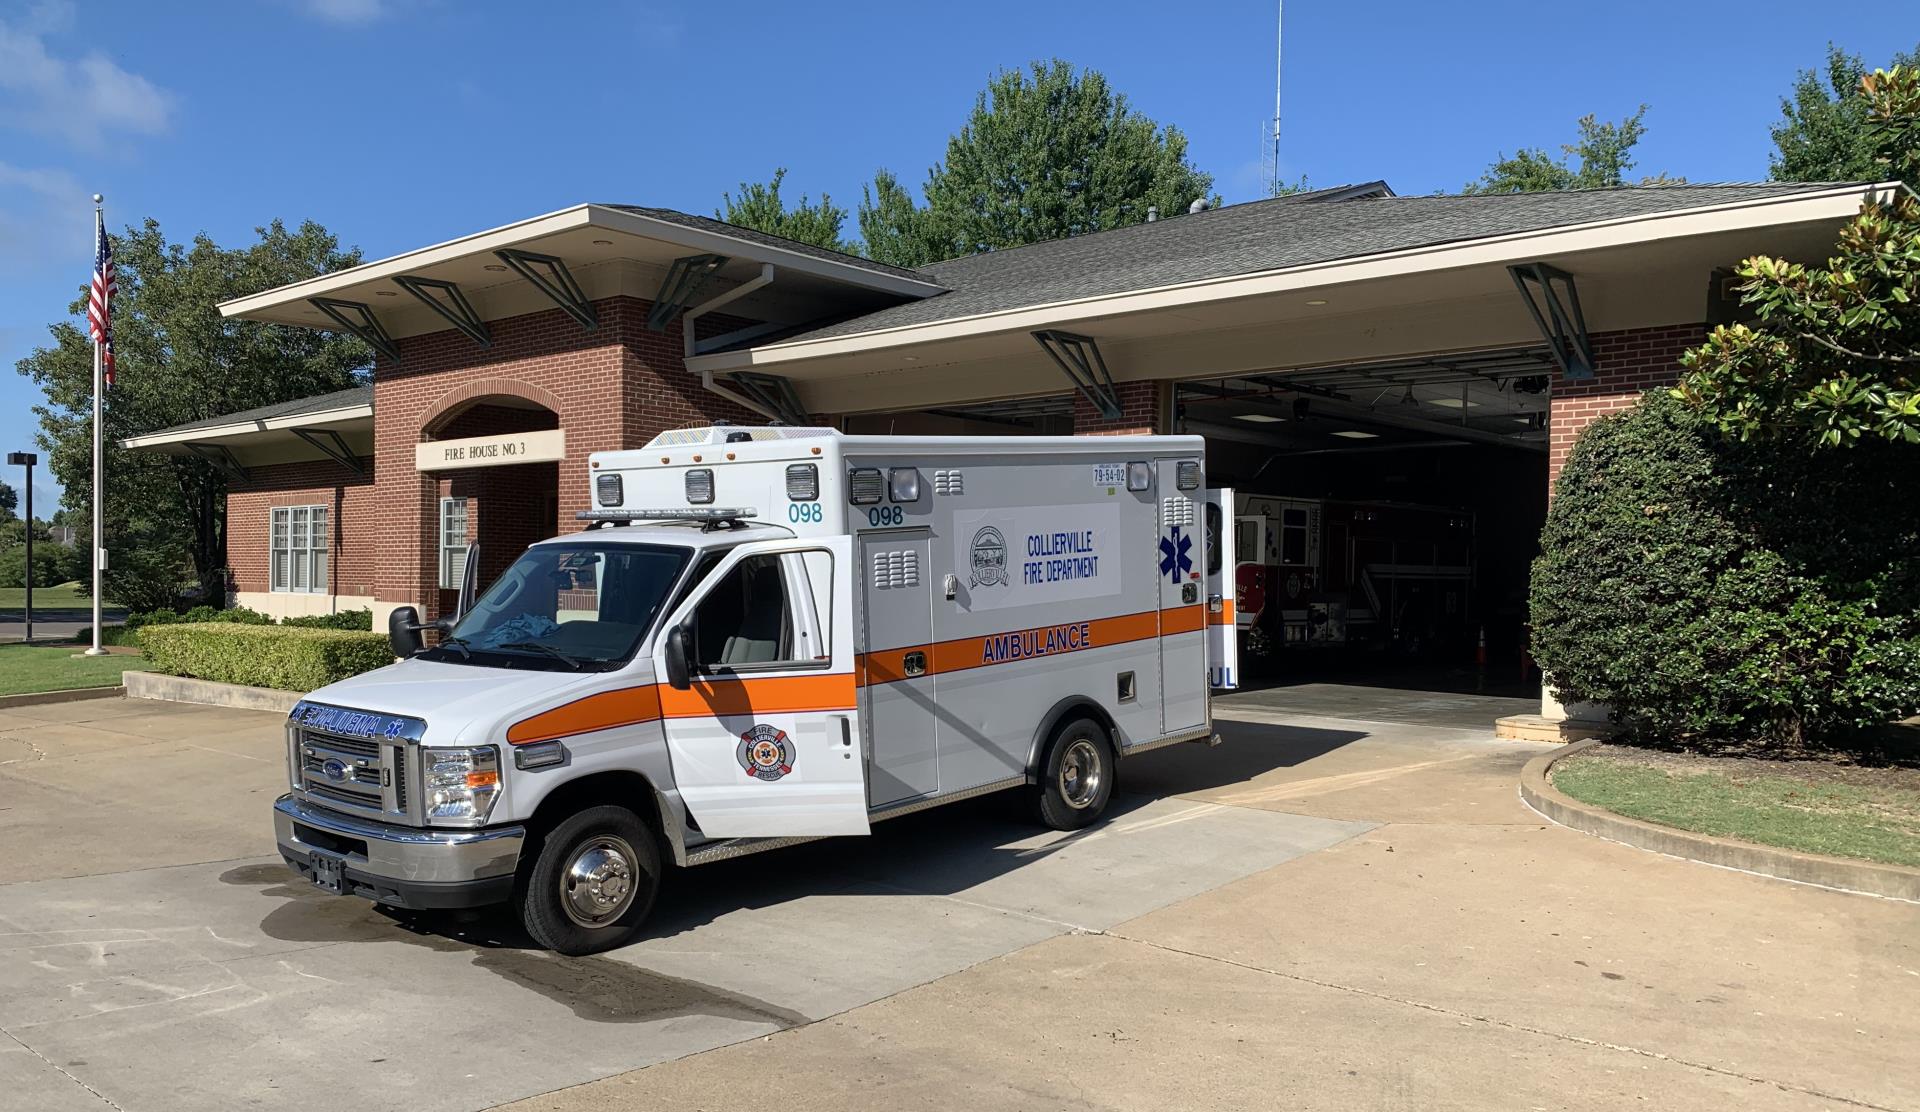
1837 874
97 1094
1562 1036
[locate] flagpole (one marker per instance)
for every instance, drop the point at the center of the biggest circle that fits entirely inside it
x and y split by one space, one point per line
99 544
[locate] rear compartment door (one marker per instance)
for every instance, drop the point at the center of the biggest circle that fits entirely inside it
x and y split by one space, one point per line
766 743
1223 577
1183 611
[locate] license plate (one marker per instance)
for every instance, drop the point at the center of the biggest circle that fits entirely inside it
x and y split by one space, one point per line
329 873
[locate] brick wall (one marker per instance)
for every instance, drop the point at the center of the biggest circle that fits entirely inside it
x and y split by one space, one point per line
614 386
354 545
1140 404
1628 364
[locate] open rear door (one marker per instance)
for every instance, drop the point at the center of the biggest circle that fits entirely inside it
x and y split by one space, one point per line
766 742
1223 640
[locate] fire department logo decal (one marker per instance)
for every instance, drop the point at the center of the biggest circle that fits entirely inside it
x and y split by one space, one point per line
989 558
765 752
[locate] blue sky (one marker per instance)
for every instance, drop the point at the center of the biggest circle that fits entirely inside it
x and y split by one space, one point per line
399 123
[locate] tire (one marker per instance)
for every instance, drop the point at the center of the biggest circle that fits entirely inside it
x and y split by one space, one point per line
1076 776
592 884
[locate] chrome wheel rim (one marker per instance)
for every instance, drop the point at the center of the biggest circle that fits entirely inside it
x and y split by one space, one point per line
600 881
1081 774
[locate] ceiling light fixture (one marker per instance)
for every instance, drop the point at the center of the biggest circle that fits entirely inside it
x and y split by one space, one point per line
1258 418
603 243
1356 434
1454 403
495 266
385 293
1317 301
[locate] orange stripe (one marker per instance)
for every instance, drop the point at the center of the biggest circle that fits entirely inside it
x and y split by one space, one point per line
631 706
1224 617
625 707
1182 619
1014 646
771 695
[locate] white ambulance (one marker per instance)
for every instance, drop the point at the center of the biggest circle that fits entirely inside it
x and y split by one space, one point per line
767 635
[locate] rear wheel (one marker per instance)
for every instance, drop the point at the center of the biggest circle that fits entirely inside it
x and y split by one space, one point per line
1076 778
593 882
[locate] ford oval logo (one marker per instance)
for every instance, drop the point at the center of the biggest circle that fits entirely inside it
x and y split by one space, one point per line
335 769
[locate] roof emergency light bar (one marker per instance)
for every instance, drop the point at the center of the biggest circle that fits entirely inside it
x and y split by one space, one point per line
672 513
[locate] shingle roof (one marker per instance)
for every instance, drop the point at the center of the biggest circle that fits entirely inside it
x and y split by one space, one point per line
1267 235
319 403
765 239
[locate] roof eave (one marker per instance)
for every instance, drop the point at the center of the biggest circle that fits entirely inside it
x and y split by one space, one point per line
167 437
1790 208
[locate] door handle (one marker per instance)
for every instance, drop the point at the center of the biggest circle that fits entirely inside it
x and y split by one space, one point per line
1216 604
915 664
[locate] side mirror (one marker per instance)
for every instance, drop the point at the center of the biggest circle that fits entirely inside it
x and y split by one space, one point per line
674 655
403 631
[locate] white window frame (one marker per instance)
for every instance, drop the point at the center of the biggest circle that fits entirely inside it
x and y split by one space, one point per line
453 550
299 543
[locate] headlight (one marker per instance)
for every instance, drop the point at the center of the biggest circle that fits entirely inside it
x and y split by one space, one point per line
461 783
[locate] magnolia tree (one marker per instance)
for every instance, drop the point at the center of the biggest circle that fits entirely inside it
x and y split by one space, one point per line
1835 352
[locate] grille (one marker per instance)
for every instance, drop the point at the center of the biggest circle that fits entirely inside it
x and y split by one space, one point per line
371 770
1176 511
949 482
900 568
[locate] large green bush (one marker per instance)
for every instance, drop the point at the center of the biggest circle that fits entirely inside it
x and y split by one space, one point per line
49 568
339 619
1712 590
288 658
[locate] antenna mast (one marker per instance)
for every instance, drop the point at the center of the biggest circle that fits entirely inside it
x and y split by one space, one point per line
1270 145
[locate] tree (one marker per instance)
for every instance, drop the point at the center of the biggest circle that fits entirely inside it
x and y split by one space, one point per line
9 503
177 360
1604 151
1835 354
1824 135
1047 152
1713 590
761 207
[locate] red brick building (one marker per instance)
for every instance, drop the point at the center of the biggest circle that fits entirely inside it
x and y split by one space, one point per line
1345 343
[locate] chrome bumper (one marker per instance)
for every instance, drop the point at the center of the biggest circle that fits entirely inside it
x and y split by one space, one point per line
403 854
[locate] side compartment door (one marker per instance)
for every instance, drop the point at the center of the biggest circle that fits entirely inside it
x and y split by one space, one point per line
1223 577
765 744
899 708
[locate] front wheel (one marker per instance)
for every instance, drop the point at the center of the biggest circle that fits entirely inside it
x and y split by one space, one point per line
592 884
1076 778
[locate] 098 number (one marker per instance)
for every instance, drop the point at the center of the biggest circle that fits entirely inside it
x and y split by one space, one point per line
804 512
886 515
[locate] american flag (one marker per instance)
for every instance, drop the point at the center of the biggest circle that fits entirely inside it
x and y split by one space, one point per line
100 299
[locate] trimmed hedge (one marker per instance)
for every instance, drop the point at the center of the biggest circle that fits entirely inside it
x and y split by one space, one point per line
1710 590
283 657
341 619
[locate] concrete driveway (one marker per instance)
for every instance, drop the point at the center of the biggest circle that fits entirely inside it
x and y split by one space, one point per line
1323 913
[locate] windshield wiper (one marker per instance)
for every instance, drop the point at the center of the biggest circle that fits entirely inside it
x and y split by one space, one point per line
458 643
548 649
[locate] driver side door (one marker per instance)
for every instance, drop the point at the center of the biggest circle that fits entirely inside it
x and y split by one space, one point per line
764 742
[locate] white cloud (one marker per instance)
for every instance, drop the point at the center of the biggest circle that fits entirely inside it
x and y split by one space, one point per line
81 99
350 13
46 218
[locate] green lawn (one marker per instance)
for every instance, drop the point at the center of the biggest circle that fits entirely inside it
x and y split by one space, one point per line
66 596
1877 823
28 668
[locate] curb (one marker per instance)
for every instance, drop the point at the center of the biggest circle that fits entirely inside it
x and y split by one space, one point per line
1894 882
182 689
70 695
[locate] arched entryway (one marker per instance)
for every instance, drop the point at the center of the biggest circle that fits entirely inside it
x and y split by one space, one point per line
489 459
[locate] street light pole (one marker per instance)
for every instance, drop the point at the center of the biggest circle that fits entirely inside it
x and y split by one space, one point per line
27 460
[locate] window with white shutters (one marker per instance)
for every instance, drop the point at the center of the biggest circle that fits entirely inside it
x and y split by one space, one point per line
297 549
453 542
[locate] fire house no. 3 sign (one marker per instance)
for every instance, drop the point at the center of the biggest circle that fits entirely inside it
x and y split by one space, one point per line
1033 555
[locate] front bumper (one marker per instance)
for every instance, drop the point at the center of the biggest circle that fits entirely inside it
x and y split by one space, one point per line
399 865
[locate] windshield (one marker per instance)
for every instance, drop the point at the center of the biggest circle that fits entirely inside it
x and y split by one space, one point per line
576 605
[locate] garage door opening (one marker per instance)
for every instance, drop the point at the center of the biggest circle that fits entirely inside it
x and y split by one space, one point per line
1387 515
